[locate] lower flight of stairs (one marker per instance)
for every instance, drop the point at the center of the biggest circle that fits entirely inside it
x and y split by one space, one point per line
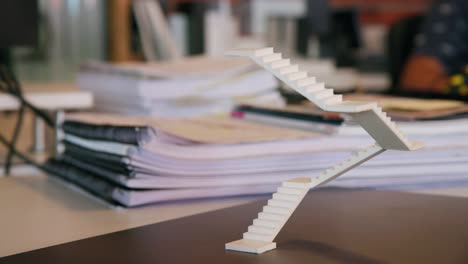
259 236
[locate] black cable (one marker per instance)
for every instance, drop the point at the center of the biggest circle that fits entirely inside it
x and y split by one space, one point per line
35 110
43 167
14 140
6 88
13 87
10 147
16 89
10 85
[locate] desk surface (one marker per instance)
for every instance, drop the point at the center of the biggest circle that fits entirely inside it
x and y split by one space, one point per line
330 226
38 212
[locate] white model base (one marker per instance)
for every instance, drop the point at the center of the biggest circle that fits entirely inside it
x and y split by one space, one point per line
250 246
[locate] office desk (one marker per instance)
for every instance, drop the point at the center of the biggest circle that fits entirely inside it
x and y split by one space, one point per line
38 212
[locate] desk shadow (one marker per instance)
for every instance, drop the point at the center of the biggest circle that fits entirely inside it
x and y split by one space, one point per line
59 192
334 254
74 197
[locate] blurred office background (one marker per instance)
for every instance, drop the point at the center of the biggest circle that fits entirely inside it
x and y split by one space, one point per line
348 44
346 33
110 57
69 32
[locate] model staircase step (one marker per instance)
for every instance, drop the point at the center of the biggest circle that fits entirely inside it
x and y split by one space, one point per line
306 82
250 52
351 107
271 216
301 183
276 210
261 230
281 203
384 117
289 190
382 129
323 94
256 236
335 99
313 89
271 57
297 76
267 223
263 52
280 63
288 69
286 197
250 246
416 145
317 179
393 126
344 164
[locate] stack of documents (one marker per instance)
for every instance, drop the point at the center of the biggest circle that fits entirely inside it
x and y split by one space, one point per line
186 87
133 161
416 116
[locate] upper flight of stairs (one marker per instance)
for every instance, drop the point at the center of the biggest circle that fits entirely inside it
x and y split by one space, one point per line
368 115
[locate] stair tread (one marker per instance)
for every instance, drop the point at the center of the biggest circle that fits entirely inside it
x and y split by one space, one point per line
279 63
299 180
289 69
271 57
249 52
282 203
304 186
286 197
291 188
335 99
262 230
276 210
268 221
305 82
271 216
263 227
314 87
279 207
296 75
351 107
257 236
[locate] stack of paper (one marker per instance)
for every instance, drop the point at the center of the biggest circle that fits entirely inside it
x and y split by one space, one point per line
183 88
134 161
415 116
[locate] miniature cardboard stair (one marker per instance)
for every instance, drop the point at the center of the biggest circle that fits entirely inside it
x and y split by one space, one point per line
259 236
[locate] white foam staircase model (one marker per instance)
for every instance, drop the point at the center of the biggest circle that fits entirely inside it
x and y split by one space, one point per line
259 236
